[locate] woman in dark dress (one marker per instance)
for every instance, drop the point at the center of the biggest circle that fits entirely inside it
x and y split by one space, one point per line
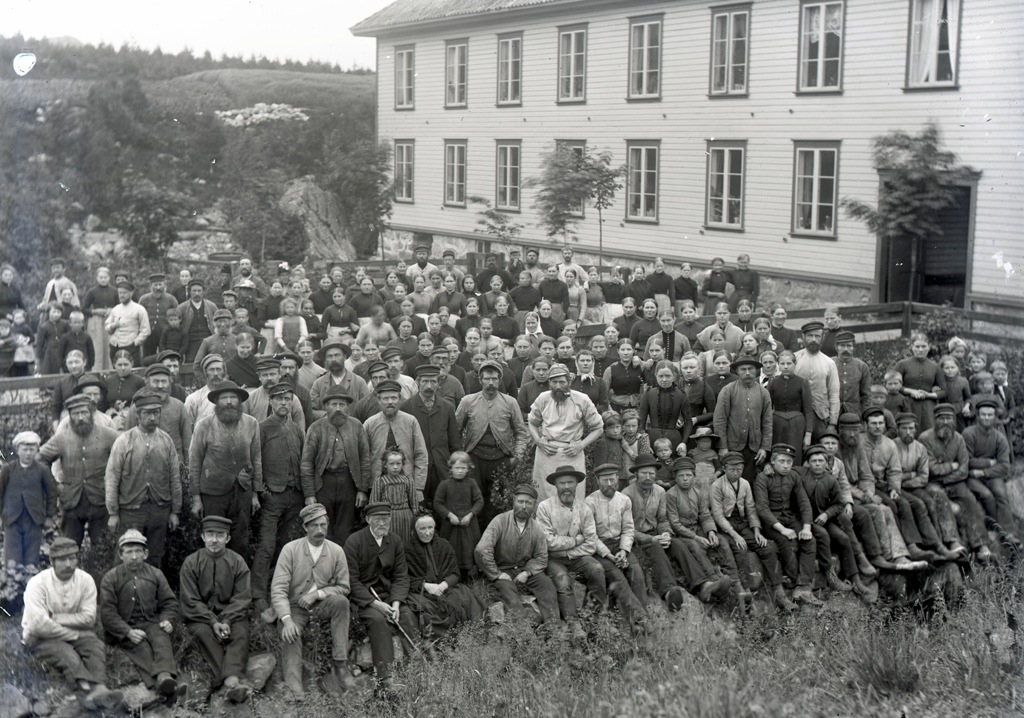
624 379
666 407
922 382
792 407
121 387
700 396
721 362
435 591
714 287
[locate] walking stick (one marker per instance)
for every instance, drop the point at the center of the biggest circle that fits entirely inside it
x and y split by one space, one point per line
401 630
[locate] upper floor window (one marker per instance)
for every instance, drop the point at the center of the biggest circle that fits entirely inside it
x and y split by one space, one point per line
455 172
404 157
572 64
725 184
645 58
507 180
405 74
510 69
730 46
816 181
456 69
821 46
934 40
642 181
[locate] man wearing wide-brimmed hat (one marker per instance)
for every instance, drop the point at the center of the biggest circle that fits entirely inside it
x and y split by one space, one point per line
225 463
332 356
743 416
59 626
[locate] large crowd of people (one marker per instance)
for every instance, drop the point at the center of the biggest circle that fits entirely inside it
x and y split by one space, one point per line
679 443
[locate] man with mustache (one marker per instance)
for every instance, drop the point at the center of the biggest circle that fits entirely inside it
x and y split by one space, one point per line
743 416
143 481
335 465
290 363
563 423
196 405
376 374
174 419
948 463
83 448
854 375
989 468
332 356
258 404
311 580
436 417
393 428
225 463
821 373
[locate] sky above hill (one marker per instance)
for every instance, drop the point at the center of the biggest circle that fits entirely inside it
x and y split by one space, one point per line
283 29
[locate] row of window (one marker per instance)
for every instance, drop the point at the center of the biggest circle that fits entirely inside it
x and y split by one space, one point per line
931 55
815 175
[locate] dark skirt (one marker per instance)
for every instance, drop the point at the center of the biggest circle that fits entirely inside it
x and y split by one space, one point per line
438 614
788 427
463 540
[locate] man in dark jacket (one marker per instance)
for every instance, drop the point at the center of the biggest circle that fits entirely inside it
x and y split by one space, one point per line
436 417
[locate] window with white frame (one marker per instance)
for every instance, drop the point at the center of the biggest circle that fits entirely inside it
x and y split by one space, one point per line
405 154
815 189
645 58
507 180
725 184
510 69
642 181
572 64
455 172
934 40
578 148
821 46
456 54
405 74
730 47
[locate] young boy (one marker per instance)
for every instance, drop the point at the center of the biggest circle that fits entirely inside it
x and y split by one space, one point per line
663 452
609 450
28 493
24 353
77 338
48 358
172 338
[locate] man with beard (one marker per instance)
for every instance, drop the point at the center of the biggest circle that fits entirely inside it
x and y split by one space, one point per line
913 458
854 375
196 318
225 463
513 554
94 388
530 265
491 270
421 265
563 423
377 373
245 273
884 461
335 465
948 463
394 429
281 492
138 610
142 485
567 264
311 580
785 514
495 432
59 627
448 387
65 387
215 602
241 368
172 360
743 416
436 417
196 405
258 404
173 418
156 302
83 448
221 342
333 355
290 364
821 373
380 587
989 467
613 519
127 324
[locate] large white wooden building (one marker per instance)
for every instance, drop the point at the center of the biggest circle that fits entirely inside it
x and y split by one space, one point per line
744 124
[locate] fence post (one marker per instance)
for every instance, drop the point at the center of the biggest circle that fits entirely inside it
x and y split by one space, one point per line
908 316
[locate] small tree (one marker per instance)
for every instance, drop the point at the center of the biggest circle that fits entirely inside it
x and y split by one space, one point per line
918 181
496 223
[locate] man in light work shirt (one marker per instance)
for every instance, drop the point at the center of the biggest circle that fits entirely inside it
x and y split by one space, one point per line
821 373
127 324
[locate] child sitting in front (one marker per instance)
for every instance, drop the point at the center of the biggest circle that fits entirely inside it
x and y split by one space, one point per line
704 455
663 452
459 501
397 489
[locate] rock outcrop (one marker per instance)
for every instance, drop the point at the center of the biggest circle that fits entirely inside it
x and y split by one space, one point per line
321 216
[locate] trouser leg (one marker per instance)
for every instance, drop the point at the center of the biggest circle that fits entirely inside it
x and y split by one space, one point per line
338 494
701 568
163 651
64 656
822 548
73 525
864 527
151 519
661 568
291 653
278 513
337 610
381 647
940 510
903 513
617 586
634 573
970 517
1004 515
562 581
547 598
923 520
806 552
897 544
723 557
590 571
211 648
842 547
786 550
767 554
986 499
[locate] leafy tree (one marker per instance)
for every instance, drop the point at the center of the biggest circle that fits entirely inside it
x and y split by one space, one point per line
496 223
359 174
918 181
150 216
258 222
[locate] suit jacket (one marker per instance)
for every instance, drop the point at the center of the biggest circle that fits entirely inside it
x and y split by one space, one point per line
440 430
188 313
410 440
316 455
382 568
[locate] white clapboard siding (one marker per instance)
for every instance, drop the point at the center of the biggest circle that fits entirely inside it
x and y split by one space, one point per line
980 121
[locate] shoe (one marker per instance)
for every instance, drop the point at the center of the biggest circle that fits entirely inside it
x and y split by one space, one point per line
674 598
803 595
868 593
864 566
983 554
836 583
165 685
919 554
718 589
959 549
906 565
178 694
782 600
383 691
883 564
744 598
238 693
107 699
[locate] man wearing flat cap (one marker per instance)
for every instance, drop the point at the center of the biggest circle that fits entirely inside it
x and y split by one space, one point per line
138 610
59 627
157 302
563 423
989 467
821 373
392 356
380 587
513 554
225 463
127 323
143 480
172 360
268 369
221 341
376 374
743 416
436 417
420 265
333 355
215 602
83 448
174 420
392 428
290 364
196 405
449 386
196 317
335 467
311 581
854 374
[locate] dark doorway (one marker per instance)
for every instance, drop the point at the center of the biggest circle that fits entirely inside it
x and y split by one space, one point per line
938 272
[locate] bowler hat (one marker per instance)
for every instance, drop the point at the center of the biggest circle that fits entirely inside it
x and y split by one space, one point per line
746 361
565 470
89 380
644 460
225 387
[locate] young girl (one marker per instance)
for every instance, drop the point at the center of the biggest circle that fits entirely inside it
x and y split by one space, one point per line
457 503
722 365
290 328
976 361
396 488
958 391
921 378
748 346
634 442
48 359
24 353
702 450
792 407
314 327
665 406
